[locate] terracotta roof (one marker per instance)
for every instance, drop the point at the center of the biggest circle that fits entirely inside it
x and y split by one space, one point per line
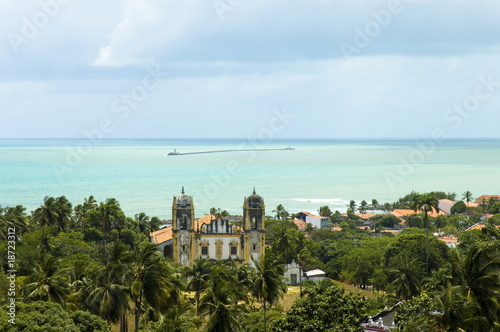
487 197
406 212
312 215
336 229
449 239
301 224
366 215
402 212
479 225
163 235
471 204
204 220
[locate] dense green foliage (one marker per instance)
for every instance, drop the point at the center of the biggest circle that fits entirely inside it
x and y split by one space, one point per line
89 267
324 307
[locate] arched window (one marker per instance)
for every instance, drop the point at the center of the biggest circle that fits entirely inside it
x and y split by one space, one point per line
167 252
184 222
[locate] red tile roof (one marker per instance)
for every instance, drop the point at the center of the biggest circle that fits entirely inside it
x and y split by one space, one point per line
163 235
301 224
479 199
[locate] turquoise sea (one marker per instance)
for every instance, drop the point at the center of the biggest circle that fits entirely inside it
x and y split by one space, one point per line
318 172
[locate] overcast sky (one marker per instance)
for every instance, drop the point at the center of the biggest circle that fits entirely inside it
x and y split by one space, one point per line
191 68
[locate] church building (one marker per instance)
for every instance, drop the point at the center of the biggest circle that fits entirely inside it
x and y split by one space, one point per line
213 237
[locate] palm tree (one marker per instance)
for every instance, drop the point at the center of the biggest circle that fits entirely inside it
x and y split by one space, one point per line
47 214
352 207
64 211
50 282
110 290
13 217
81 210
363 206
374 205
426 203
476 275
154 282
110 296
280 212
109 212
220 300
268 285
198 276
406 275
467 196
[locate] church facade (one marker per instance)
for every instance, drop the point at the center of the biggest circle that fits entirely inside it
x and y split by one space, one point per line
214 237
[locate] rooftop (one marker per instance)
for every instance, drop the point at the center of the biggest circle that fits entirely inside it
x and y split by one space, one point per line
161 236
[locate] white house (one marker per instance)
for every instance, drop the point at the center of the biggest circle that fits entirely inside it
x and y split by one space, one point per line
316 221
292 274
316 275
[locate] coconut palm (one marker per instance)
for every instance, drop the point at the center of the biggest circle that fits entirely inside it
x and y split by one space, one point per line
50 282
198 277
425 203
13 217
47 214
363 206
476 276
280 212
109 212
110 290
352 207
64 212
405 277
467 196
110 296
374 205
81 210
154 283
220 301
269 285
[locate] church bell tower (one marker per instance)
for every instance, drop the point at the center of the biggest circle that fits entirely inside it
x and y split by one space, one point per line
254 228
183 229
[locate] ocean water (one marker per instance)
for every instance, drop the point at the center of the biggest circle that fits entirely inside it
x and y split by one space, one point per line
318 172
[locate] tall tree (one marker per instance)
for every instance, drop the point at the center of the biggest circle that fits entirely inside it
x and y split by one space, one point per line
374 205
50 282
467 196
47 214
268 285
154 282
426 203
406 276
280 212
220 302
352 207
109 212
110 291
363 206
13 217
